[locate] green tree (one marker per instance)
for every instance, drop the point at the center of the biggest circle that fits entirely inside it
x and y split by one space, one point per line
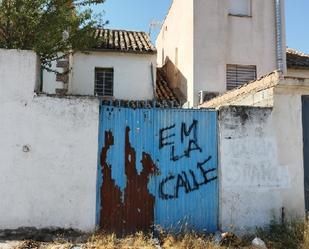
49 27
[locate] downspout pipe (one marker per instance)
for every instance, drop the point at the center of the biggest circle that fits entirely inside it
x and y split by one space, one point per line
279 35
153 81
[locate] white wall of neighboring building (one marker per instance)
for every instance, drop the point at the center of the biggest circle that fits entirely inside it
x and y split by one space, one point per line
48 152
219 39
132 74
176 36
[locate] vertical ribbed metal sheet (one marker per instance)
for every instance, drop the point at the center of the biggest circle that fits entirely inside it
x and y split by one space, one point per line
163 169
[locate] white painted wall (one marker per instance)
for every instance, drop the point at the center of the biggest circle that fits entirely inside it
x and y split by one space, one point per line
261 164
219 39
19 74
288 130
132 74
54 183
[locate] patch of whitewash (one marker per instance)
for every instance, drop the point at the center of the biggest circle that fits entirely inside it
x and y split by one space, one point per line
252 180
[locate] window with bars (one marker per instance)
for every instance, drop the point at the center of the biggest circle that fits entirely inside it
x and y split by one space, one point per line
240 7
237 75
104 82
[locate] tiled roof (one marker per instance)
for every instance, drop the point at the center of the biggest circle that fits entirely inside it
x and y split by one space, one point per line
296 59
123 41
163 91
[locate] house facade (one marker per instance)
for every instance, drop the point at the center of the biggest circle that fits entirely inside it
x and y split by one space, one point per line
121 66
208 47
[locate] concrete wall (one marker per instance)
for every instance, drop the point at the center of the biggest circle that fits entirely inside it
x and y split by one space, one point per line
288 130
19 75
298 73
48 152
261 164
219 39
176 37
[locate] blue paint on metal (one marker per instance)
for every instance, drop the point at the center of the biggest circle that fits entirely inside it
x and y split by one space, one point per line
183 145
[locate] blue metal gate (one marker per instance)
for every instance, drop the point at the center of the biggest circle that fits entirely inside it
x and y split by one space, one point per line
157 167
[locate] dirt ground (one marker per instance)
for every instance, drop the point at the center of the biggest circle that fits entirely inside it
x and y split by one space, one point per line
292 235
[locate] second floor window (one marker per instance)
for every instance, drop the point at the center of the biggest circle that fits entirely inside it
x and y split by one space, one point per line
238 75
240 7
104 82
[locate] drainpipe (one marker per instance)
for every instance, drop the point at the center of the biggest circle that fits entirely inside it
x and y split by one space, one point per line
279 36
153 81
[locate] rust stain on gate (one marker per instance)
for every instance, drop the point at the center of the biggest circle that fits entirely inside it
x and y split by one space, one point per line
157 167
135 211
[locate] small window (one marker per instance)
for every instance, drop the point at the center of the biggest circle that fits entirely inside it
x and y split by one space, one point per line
240 7
238 75
104 82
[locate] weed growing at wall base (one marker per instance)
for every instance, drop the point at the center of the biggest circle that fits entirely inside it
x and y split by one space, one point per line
290 235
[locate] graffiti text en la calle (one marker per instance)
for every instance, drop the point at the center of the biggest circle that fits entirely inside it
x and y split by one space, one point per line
181 181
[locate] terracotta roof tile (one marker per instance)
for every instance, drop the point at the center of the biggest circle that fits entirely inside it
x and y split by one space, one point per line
163 91
296 59
123 41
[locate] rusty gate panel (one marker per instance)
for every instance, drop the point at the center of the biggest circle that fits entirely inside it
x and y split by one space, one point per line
157 167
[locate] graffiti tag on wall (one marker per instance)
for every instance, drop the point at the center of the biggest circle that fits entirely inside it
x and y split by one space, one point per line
187 180
167 134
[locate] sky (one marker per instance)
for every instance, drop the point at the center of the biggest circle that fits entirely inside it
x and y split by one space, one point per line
138 14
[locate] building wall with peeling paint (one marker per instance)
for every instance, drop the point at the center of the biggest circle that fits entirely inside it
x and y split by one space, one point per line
48 152
261 164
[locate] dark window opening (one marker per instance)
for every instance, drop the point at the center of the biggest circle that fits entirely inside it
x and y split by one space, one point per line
238 75
104 82
240 7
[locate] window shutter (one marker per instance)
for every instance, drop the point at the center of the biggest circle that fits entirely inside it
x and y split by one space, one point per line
240 7
104 82
238 75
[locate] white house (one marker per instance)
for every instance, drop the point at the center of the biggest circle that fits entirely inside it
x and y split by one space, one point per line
121 66
213 46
